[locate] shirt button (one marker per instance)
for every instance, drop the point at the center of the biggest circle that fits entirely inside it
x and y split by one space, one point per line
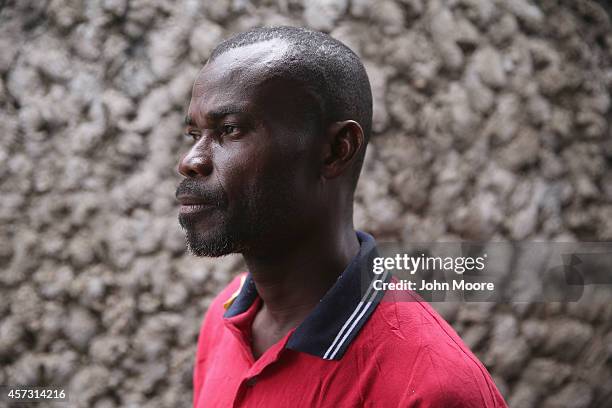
251 381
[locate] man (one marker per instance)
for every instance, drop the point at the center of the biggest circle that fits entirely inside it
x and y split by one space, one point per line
280 118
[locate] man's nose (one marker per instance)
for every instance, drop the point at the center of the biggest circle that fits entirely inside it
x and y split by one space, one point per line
196 163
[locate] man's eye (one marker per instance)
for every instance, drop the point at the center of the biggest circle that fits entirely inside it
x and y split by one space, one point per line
194 135
229 129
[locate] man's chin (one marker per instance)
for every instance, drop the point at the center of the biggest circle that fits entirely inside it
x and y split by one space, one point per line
211 243
206 238
211 247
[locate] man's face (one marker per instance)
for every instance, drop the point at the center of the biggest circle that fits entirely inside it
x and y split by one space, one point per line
251 173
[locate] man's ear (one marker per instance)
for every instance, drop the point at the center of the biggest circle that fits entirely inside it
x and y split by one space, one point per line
343 141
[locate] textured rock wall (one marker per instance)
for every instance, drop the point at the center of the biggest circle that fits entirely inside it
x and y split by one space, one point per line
491 122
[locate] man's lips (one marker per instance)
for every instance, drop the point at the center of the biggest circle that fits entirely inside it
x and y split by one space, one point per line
191 200
191 204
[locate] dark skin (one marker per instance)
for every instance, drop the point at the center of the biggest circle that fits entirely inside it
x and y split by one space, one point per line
293 185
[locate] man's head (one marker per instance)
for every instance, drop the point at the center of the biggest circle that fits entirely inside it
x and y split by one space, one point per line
280 119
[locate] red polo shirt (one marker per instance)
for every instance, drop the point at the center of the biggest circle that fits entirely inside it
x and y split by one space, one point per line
353 350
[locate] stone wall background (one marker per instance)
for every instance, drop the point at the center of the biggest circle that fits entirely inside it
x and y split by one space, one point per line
491 121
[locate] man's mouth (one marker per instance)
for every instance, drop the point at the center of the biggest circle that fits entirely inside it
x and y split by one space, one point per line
191 204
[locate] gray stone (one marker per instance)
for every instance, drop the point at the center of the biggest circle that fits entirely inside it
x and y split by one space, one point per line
522 151
11 332
203 39
218 10
480 11
378 82
497 179
567 338
546 374
53 280
60 366
524 10
404 103
27 369
389 15
81 327
485 216
8 51
508 356
412 187
322 14
116 7
108 349
504 30
524 395
414 7
574 395
89 383
444 32
481 98
474 336
349 33
475 313
117 104
504 122
487 62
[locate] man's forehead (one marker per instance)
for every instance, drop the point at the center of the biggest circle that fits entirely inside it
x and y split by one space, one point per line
241 66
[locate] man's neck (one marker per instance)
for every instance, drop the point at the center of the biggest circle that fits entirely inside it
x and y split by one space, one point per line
292 281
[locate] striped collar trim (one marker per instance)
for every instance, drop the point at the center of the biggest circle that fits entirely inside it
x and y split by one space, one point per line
336 321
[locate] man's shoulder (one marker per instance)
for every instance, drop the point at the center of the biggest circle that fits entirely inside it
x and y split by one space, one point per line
414 326
411 318
416 347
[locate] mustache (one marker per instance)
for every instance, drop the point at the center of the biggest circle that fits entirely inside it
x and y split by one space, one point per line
190 187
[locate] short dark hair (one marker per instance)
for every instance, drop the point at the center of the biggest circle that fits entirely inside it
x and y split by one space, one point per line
327 67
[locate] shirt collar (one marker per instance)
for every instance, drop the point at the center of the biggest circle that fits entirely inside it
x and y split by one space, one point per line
335 322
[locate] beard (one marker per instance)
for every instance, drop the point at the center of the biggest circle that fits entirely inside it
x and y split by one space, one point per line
220 243
232 229
202 239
